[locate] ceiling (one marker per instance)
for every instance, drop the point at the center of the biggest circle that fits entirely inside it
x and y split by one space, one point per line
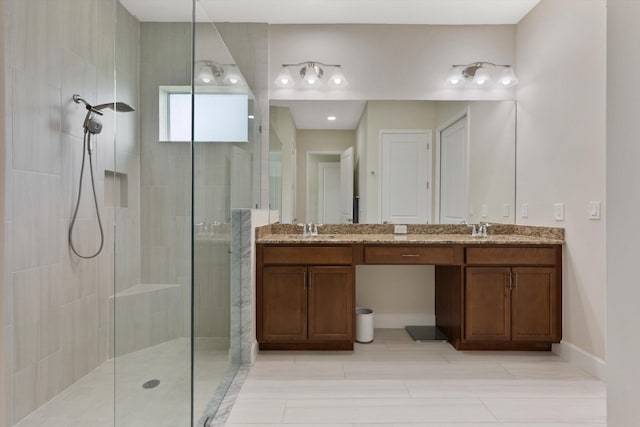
431 12
313 115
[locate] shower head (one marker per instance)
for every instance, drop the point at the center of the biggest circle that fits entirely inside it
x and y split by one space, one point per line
120 107
91 123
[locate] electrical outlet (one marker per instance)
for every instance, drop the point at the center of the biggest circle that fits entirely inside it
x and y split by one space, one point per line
400 229
558 211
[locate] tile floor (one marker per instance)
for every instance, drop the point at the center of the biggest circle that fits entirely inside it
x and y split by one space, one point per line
90 401
397 382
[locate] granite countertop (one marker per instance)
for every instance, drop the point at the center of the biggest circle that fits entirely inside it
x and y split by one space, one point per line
499 234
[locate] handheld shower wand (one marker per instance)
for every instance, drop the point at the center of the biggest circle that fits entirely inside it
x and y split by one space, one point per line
92 126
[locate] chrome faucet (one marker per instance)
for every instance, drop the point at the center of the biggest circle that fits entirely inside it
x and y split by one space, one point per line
483 229
479 230
310 229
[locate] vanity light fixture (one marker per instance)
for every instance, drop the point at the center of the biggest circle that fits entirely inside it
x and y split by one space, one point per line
311 75
477 73
232 76
212 73
209 72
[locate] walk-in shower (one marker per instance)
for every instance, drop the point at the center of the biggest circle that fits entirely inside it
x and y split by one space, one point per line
92 126
88 334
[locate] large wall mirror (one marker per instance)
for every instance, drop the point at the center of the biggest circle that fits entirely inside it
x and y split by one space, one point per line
400 161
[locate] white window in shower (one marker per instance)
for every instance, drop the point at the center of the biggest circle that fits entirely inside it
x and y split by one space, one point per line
218 116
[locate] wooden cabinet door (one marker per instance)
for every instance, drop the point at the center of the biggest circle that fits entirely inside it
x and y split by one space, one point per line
487 308
534 305
284 304
331 303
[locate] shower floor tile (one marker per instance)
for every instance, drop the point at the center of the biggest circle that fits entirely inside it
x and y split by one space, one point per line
90 401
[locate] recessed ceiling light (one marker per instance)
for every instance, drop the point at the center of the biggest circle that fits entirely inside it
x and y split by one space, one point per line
331 118
251 116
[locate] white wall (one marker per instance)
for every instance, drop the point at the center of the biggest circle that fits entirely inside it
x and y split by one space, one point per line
399 295
623 178
281 122
391 61
561 56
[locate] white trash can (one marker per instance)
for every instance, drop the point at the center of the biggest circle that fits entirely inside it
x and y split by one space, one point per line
364 325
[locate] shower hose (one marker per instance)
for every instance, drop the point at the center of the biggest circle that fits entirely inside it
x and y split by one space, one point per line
86 150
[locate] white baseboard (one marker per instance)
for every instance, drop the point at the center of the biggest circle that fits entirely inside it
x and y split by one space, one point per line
394 320
580 358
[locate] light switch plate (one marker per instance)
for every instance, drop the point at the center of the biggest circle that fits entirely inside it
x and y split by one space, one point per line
594 210
524 210
558 211
505 210
400 229
484 211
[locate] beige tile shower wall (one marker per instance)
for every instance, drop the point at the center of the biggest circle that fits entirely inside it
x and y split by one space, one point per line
248 43
57 309
165 57
211 286
166 185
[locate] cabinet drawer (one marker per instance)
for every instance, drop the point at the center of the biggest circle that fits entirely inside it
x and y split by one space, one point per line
409 255
307 255
511 256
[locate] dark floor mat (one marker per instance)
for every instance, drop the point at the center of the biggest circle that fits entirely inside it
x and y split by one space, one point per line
426 333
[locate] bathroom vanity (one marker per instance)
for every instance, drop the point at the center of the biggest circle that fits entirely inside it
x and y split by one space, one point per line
500 292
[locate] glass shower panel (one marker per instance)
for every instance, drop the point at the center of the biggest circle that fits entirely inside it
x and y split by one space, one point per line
225 129
151 310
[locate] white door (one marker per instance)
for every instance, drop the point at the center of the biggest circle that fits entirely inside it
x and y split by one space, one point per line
405 172
329 193
453 173
346 186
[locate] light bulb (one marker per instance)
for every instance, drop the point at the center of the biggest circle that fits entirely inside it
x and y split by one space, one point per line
337 79
311 77
284 79
232 78
508 77
482 77
205 75
455 77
